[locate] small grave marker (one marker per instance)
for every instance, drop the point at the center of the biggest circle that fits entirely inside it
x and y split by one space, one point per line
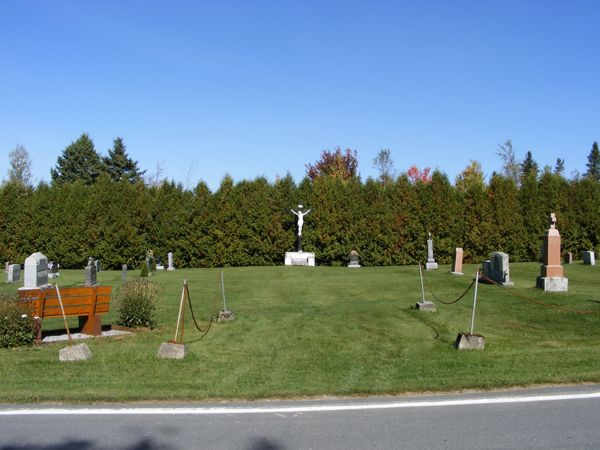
13 273
568 258
353 259
457 263
497 269
589 258
431 264
90 275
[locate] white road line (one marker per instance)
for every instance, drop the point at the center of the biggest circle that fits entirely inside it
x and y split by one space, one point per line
289 409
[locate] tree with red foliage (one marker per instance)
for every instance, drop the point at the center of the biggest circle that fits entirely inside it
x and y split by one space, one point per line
415 174
342 165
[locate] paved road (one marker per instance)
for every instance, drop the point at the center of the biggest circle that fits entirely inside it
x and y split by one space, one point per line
567 417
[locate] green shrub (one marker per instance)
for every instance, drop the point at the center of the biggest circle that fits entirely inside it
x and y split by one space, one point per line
136 303
17 327
144 270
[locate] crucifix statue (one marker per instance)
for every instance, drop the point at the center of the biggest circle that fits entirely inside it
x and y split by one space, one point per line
300 215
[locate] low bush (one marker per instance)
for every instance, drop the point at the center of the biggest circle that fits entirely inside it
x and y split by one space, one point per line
17 327
136 303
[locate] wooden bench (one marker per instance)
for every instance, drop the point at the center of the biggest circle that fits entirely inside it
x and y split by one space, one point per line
87 302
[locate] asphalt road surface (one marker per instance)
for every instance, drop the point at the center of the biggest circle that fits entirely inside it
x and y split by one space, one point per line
565 417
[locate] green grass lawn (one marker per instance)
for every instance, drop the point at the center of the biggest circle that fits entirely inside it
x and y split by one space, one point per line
323 331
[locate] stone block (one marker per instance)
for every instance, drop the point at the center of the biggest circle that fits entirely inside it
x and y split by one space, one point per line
225 316
425 306
468 341
79 352
170 350
553 284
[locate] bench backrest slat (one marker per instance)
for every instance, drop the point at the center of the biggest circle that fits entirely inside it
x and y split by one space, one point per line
77 301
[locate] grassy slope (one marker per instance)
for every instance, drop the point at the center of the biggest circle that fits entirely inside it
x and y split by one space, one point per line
325 331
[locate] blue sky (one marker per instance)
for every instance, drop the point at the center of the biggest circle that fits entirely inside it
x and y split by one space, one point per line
260 88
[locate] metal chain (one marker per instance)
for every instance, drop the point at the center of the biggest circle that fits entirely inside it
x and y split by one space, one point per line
448 302
187 289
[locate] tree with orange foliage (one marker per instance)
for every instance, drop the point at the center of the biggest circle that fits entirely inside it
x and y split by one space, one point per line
343 165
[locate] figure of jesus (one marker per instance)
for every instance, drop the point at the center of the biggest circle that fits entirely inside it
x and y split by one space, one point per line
300 215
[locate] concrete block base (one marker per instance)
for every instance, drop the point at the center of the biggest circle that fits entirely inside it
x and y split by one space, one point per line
425 306
553 284
352 266
468 341
225 316
79 352
431 265
170 350
457 273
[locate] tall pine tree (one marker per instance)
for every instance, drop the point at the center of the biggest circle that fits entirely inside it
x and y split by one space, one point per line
120 166
79 161
593 163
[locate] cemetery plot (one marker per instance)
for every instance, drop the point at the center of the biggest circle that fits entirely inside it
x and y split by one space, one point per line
327 331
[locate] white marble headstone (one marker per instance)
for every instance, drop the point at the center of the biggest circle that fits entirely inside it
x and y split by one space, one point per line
36 271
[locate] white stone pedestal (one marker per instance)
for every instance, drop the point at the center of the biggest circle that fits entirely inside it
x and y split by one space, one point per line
431 265
553 284
299 259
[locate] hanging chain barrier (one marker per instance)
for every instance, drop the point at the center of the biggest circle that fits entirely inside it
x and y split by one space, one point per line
450 302
538 302
187 291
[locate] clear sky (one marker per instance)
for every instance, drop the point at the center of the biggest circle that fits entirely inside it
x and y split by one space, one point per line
260 88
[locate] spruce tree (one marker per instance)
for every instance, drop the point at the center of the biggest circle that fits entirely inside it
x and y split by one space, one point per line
593 163
559 167
529 166
79 161
119 166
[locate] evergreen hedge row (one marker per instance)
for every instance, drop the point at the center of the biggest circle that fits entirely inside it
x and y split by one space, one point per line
250 223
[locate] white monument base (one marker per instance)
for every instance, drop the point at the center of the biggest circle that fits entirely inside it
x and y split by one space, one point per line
553 284
299 259
353 265
431 265
457 273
